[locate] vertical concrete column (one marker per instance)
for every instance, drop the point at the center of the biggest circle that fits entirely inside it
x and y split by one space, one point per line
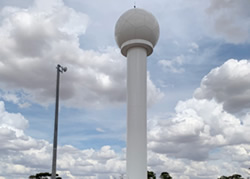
137 113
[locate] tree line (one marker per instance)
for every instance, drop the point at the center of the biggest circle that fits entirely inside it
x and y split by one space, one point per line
166 175
151 175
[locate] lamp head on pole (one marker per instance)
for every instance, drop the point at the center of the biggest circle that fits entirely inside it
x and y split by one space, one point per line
61 69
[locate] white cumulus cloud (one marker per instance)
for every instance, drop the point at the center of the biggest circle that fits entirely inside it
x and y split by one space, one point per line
36 39
228 84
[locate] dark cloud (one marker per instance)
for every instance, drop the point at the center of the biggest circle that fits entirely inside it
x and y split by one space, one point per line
231 19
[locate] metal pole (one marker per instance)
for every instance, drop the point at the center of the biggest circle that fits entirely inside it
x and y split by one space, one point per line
60 69
56 125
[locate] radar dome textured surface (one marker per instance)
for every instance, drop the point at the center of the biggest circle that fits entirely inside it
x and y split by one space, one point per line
137 24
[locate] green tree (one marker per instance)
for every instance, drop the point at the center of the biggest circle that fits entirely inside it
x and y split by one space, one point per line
235 176
45 175
223 177
151 175
165 175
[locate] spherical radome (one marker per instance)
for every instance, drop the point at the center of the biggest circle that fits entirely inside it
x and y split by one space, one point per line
137 24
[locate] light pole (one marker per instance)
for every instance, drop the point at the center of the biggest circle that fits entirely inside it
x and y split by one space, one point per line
60 69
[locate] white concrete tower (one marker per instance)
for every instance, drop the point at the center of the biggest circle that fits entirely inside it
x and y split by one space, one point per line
136 33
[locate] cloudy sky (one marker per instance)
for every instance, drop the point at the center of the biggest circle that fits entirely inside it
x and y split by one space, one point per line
198 88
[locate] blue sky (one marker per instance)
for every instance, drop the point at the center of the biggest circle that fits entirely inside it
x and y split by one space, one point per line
198 88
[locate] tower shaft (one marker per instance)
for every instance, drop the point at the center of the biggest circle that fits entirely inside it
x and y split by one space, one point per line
136 33
137 113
